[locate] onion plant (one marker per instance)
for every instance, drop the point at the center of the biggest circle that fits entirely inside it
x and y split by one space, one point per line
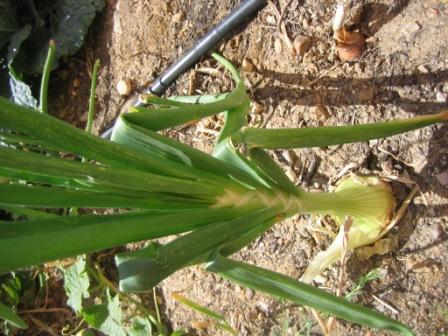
219 203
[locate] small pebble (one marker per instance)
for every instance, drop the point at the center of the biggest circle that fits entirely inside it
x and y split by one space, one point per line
278 46
441 97
412 27
249 294
302 44
247 65
423 69
271 20
124 87
178 17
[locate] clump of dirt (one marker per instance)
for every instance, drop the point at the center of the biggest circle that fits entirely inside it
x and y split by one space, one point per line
403 72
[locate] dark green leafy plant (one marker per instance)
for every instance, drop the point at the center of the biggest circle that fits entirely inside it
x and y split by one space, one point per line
221 202
25 29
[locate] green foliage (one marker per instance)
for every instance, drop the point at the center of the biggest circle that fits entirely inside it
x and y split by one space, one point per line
76 284
26 27
9 316
16 288
219 319
221 202
358 286
140 327
105 317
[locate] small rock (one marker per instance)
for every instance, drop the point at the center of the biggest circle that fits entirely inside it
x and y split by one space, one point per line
271 20
302 44
278 46
437 230
432 12
441 97
264 308
247 65
305 24
249 294
412 27
124 87
423 69
178 17
443 178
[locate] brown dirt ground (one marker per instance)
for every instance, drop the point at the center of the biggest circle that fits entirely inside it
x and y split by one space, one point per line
403 72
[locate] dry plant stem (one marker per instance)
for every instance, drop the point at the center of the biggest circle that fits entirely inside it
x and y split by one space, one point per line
347 225
400 213
44 311
281 26
74 330
385 304
321 322
42 326
156 304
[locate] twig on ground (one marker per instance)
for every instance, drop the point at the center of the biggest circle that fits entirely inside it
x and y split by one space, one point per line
42 326
341 279
46 310
321 322
385 304
281 25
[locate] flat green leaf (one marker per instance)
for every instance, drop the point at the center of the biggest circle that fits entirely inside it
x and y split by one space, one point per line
61 237
163 118
140 327
267 164
284 287
13 197
171 116
157 145
105 317
51 170
11 287
226 152
11 317
141 270
67 26
76 284
18 210
334 135
58 134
